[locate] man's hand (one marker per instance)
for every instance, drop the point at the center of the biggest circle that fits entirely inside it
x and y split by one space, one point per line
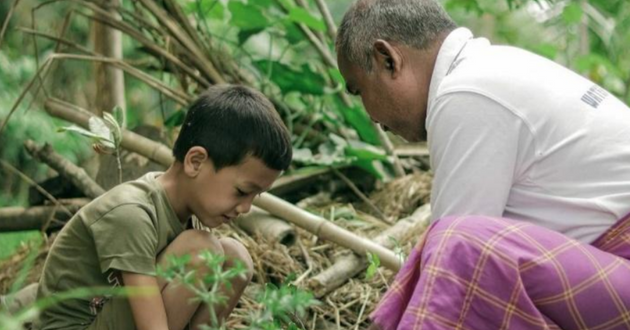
147 307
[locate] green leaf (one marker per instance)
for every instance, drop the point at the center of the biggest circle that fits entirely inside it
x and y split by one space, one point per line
292 32
248 18
335 74
119 115
301 15
360 121
375 262
176 119
243 35
288 80
572 13
209 9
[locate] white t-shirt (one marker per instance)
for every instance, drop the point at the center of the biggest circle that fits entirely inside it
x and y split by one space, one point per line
516 135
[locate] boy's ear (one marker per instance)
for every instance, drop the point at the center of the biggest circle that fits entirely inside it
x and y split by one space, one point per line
194 160
387 58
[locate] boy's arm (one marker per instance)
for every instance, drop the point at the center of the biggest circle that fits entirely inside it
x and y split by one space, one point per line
148 310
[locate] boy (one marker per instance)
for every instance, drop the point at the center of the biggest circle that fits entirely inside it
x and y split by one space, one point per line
232 147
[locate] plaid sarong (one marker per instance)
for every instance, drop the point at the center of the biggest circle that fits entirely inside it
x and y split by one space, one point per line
479 273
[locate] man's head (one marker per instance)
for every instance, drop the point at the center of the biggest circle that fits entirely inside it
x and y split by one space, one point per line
232 146
386 51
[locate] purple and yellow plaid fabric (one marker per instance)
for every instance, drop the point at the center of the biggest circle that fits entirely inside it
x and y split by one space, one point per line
479 273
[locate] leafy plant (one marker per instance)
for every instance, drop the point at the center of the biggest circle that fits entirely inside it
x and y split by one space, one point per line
278 304
374 262
106 134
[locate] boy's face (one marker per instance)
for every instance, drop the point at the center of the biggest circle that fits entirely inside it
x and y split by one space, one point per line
218 197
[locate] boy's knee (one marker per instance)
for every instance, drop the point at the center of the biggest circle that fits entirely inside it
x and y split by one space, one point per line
195 241
235 251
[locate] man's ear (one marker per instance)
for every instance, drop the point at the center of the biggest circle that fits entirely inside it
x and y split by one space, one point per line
194 160
387 57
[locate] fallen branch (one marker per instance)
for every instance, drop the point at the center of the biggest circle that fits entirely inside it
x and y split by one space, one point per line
36 217
350 265
65 168
272 204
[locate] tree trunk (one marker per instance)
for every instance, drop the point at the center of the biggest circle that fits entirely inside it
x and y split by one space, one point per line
110 81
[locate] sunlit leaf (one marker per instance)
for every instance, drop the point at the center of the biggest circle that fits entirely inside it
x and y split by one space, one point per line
248 18
99 128
301 15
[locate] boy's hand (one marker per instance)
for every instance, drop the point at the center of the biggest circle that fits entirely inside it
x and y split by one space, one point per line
148 309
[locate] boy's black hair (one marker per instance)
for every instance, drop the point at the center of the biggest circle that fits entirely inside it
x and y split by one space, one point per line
232 122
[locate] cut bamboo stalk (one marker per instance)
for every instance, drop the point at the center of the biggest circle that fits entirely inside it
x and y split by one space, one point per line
34 218
325 229
274 205
65 168
257 221
350 265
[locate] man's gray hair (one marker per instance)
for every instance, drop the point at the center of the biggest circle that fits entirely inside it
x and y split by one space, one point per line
414 23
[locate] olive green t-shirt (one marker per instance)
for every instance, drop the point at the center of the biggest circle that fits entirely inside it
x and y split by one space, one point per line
122 230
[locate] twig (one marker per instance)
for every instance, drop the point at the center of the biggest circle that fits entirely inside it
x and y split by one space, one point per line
330 24
53 66
362 196
175 95
319 35
309 263
367 297
34 184
5 25
57 39
138 36
197 55
337 316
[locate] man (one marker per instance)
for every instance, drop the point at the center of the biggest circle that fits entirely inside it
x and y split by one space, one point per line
512 135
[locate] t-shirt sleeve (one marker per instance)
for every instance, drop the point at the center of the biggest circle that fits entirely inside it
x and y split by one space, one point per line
476 147
126 239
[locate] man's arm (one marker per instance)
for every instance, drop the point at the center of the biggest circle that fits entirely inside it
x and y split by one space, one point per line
148 308
479 149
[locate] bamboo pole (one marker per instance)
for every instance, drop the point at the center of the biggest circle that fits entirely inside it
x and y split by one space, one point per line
274 205
350 265
34 218
325 229
110 80
260 222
